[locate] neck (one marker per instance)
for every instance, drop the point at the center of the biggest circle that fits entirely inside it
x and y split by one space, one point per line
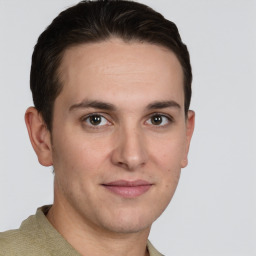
90 239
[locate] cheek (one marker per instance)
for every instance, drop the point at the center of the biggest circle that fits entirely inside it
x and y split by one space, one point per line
172 178
167 157
76 165
167 186
168 152
77 154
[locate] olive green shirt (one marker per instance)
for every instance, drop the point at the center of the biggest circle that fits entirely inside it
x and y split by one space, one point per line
37 237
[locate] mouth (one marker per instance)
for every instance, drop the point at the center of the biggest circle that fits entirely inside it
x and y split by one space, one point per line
128 189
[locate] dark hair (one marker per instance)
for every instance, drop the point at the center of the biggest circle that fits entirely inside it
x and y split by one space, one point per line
96 21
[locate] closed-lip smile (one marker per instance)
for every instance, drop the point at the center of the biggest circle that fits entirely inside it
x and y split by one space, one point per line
128 189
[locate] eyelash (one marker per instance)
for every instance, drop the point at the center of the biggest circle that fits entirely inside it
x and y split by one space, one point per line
168 117
149 118
87 117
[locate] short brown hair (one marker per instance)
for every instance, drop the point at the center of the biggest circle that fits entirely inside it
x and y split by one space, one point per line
96 21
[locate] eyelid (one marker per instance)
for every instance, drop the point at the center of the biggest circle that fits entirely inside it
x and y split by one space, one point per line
110 121
169 117
161 114
102 115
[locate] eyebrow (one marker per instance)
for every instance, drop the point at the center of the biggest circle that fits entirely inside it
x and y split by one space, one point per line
163 104
110 107
93 104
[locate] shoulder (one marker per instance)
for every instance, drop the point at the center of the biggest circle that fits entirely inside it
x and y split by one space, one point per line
7 239
15 242
10 239
21 241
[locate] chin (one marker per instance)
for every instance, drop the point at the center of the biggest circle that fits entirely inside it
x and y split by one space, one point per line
130 222
128 227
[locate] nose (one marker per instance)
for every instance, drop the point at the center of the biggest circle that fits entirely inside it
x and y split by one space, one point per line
130 152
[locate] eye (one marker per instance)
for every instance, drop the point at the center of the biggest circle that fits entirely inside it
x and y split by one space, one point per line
96 120
159 120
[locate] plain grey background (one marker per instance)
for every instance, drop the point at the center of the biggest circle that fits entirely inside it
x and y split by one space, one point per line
213 212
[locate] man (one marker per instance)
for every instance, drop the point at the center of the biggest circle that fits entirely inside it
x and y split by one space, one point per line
111 84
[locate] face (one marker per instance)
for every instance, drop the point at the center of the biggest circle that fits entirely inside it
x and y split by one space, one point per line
120 136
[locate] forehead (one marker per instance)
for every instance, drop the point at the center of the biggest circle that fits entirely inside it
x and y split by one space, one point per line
116 67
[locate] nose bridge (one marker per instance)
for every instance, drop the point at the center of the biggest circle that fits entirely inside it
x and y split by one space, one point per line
131 149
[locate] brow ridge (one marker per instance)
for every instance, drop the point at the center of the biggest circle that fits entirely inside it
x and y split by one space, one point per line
110 107
163 104
93 104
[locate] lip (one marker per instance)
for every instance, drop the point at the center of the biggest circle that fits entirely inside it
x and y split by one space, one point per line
128 189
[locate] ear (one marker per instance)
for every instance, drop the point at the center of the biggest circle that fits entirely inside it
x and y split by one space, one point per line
190 124
39 135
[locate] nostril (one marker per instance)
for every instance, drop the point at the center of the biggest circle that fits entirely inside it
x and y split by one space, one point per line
124 165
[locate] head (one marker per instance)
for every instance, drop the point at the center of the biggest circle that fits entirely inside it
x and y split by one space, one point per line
98 21
111 82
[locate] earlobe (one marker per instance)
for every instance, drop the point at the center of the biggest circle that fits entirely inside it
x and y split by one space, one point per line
39 135
190 124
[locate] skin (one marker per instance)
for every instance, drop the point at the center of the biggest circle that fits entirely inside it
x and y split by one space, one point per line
135 139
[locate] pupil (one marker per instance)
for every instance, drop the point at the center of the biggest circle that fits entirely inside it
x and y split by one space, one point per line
156 120
95 120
